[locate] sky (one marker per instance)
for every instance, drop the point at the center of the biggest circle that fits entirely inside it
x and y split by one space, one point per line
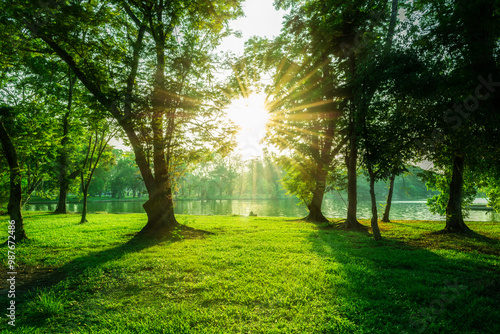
261 19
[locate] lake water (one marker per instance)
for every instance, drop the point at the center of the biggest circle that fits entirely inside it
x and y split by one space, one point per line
332 208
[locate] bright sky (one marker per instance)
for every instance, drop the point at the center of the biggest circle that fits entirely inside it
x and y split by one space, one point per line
261 19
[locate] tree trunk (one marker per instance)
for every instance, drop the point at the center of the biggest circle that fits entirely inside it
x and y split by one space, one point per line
63 158
385 218
392 26
315 214
30 191
374 221
63 195
161 217
62 162
160 206
84 209
351 222
15 198
454 219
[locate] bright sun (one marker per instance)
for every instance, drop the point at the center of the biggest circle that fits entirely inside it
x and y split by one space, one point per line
251 116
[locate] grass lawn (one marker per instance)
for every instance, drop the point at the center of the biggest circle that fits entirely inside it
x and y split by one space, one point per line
251 275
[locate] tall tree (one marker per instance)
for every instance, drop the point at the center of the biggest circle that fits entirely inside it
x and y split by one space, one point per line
145 63
338 35
469 97
65 170
305 110
98 141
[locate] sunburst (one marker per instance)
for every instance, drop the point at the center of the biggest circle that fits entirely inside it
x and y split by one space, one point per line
251 115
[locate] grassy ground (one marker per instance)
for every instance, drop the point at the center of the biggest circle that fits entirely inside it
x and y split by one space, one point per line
252 275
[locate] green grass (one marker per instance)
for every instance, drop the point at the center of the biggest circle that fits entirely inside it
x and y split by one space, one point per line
253 275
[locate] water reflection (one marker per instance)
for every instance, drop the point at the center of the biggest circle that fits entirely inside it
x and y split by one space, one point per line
332 208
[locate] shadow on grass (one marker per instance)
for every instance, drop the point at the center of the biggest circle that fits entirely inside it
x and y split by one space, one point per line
393 286
32 280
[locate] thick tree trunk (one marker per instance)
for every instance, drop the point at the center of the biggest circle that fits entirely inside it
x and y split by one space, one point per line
160 206
454 220
387 210
374 221
315 214
63 196
14 206
161 217
15 198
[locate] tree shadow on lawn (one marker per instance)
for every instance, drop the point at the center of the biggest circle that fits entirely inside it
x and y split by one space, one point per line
468 241
46 278
392 286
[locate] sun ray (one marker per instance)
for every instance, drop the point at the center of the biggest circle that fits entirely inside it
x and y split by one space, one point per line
252 117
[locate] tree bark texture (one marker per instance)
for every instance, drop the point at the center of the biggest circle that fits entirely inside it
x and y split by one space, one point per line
351 222
454 219
387 210
15 197
62 164
374 220
315 214
84 209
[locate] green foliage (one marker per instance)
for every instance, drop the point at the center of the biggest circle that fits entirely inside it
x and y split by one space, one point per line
232 177
441 182
125 177
494 199
296 180
492 190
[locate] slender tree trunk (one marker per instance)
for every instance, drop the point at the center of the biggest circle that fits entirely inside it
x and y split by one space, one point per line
30 191
387 210
254 178
392 26
63 158
15 198
374 221
84 209
315 214
351 222
454 219
62 162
